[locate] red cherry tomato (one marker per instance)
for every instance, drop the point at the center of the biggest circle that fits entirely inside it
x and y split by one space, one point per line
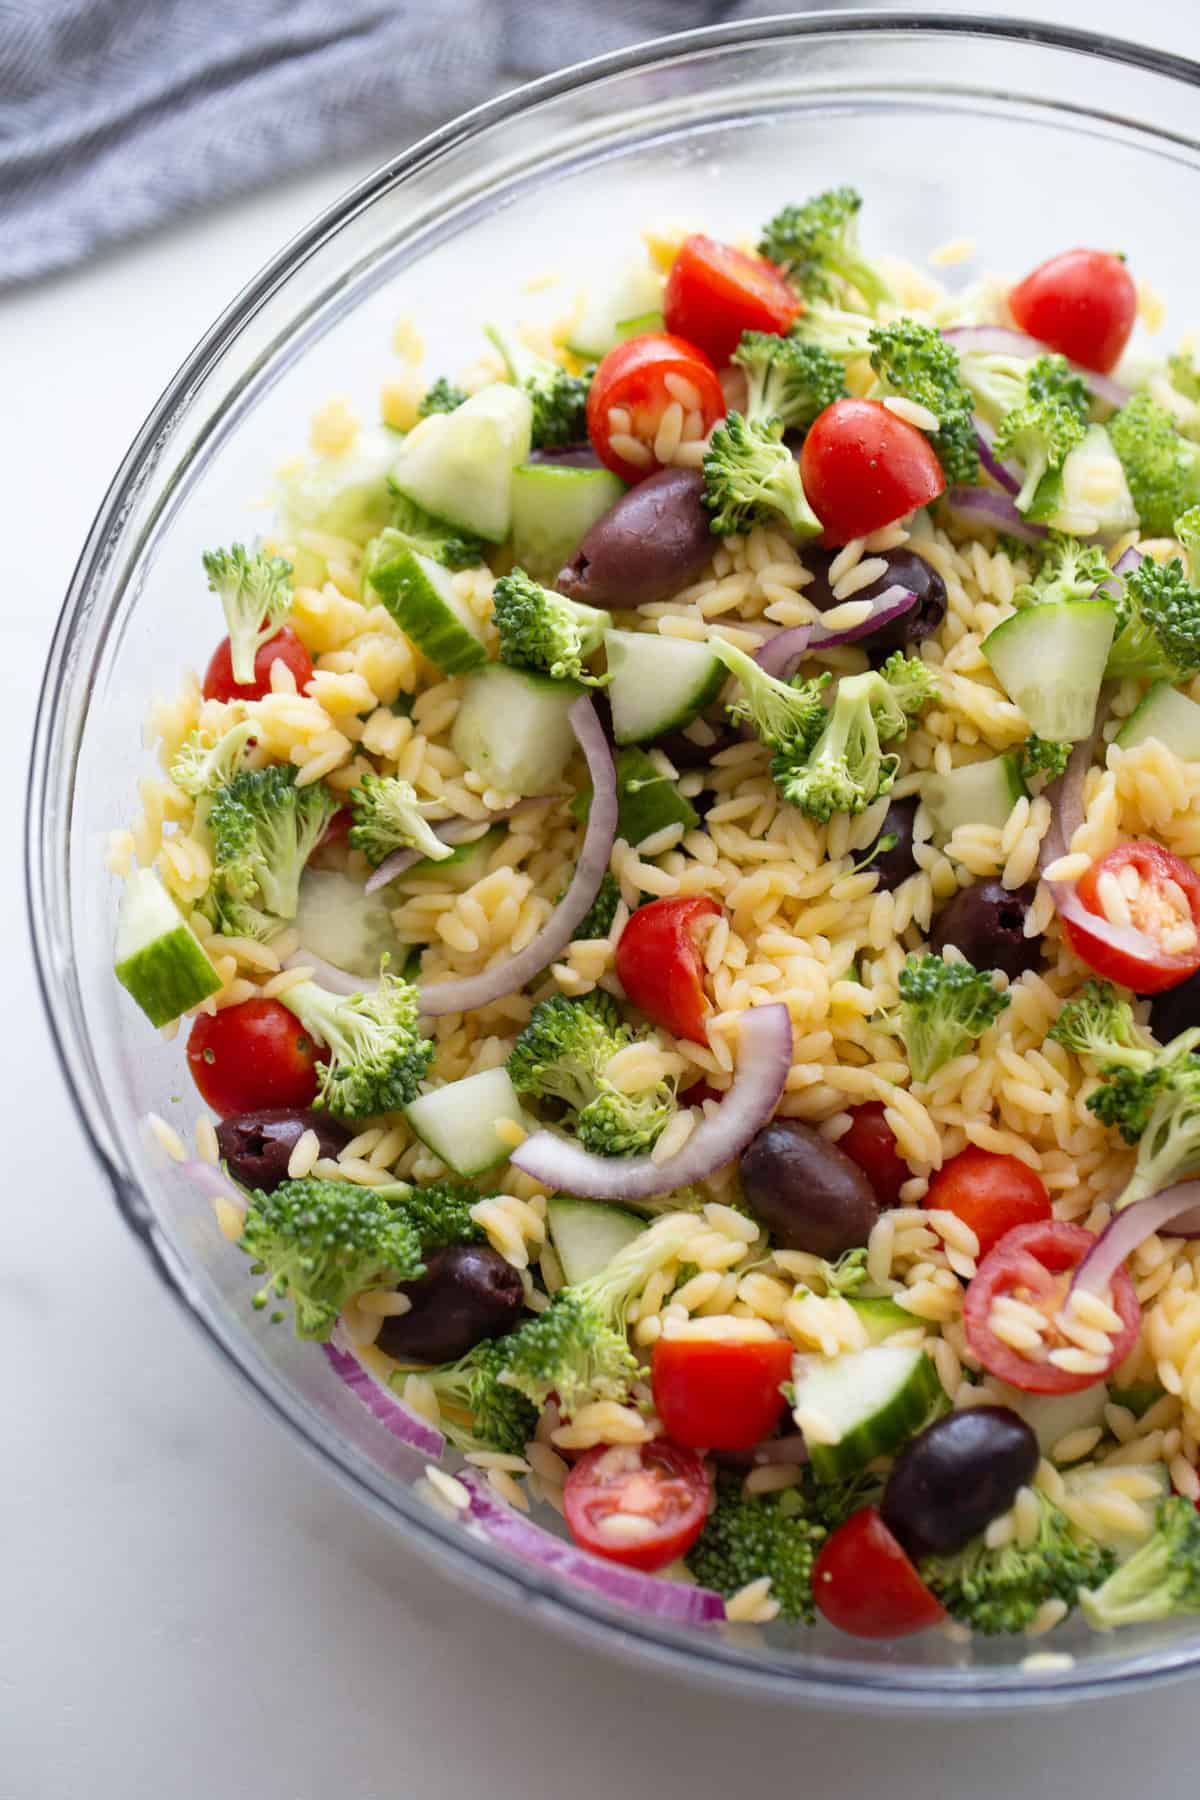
252 1055
665 1489
1166 901
659 966
862 467
1034 1263
990 1193
634 382
715 1395
1081 303
864 1583
715 292
871 1143
284 647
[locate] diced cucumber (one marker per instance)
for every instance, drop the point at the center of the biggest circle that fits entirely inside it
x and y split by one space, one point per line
1050 661
637 290
553 507
1086 1484
588 1233
512 728
658 684
647 800
458 1122
420 596
1137 1399
459 465
881 1318
157 957
1054 1416
466 864
1167 715
638 325
346 496
982 793
337 921
1094 498
869 1401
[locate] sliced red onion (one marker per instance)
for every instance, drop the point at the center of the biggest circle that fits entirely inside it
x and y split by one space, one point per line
1005 473
400 1420
1175 1206
1124 565
212 1179
1002 340
981 506
676 1601
781 653
450 831
1066 794
764 1058
338 981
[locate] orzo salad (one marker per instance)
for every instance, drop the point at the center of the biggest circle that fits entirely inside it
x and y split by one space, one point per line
680 885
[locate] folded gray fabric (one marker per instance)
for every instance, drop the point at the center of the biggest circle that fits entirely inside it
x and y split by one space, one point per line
116 115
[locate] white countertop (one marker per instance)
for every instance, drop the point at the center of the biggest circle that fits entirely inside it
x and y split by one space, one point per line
190 1607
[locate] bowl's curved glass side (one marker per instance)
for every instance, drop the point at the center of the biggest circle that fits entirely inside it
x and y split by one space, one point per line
713 132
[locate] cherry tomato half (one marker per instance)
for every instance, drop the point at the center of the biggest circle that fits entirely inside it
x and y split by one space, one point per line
1165 908
862 468
715 292
638 1504
659 965
284 647
632 389
1081 303
864 1583
871 1143
712 1394
1034 1263
990 1193
252 1055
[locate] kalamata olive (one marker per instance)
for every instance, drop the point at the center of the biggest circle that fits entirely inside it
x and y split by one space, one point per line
1175 1009
806 1191
904 569
568 456
257 1145
467 1293
897 862
987 923
648 545
956 1476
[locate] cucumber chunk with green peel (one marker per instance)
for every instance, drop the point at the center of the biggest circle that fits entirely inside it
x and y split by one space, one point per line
636 291
862 1404
554 505
157 957
1052 1417
512 728
466 864
880 1318
982 793
340 496
639 325
1092 497
458 1122
659 684
647 800
1050 662
421 597
459 465
1137 1399
1167 715
587 1234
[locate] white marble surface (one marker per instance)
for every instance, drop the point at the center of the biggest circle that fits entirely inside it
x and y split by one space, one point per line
188 1606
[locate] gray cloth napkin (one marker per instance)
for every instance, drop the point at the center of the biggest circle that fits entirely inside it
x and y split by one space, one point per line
116 115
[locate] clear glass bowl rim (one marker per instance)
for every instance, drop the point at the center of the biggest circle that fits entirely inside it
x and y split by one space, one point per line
862 1686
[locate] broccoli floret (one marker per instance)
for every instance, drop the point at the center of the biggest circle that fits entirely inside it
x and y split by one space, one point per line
441 396
1162 468
1161 1110
788 380
543 630
262 829
200 768
389 816
787 716
377 1056
597 921
847 1273
256 596
915 362
439 1213
1100 1024
1043 756
748 1536
480 1410
1187 534
412 528
1184 375
1133 1088
843 335
815 246
1159 1581
1040 433
322 1242
1004 1590
578 1350
559 399
1158 624
944 1007
846 768
750 476
563 1053
1069 571
1052 378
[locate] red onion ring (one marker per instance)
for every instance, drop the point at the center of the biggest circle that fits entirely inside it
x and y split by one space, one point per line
764 1059
1177 1205
1004 473
781 653
450 831
1125 564
980 506
404 1424
1004 341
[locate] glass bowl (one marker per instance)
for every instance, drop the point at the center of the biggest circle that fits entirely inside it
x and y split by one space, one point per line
1025 138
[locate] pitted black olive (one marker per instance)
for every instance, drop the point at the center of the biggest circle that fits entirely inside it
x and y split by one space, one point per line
987 923
258 1145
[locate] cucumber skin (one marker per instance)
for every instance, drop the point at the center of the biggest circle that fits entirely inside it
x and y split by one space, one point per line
880 1317
703 694
644 810
401 585
169 976
911 1409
